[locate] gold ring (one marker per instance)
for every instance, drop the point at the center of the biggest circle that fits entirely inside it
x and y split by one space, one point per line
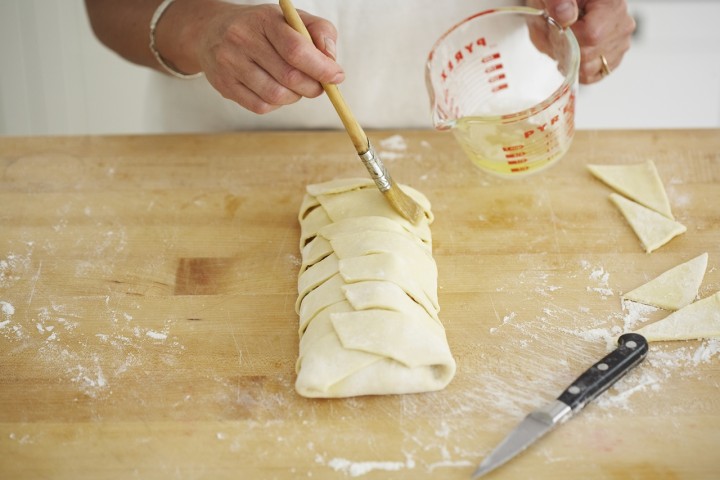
605 69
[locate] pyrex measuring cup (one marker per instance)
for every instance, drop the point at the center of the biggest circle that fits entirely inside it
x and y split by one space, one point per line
510 106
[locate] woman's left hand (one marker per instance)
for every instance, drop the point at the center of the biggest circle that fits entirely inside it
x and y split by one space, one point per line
603 29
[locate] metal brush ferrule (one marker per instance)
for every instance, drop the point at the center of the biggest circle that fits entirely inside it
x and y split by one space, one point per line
377 170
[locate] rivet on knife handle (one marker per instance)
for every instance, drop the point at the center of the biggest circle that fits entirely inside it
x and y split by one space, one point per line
632 348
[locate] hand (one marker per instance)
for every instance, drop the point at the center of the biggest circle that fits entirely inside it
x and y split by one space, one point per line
252 56
602 27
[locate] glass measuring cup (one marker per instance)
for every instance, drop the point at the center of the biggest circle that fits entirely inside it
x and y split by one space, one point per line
510 106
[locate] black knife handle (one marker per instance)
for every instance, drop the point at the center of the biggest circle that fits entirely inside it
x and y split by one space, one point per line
632 349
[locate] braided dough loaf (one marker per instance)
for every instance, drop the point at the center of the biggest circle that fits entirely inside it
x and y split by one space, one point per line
367 296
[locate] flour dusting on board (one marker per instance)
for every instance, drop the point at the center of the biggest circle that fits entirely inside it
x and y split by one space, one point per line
664 362
7 311
89 341
14 266
91 361
355 469
599 278
392 147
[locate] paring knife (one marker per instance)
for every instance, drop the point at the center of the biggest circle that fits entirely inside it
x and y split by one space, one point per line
632 349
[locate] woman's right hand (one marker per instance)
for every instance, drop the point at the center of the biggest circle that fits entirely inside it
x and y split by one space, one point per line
249 53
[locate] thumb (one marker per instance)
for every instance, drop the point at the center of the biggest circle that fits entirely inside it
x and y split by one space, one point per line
564 11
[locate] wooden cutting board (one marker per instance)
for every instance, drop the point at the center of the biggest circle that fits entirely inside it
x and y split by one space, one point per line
147 324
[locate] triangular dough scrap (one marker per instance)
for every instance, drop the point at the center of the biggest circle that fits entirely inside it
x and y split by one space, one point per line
674 288
640 182
653 230
698 320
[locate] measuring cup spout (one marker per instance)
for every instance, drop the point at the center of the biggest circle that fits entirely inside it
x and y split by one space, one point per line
442 120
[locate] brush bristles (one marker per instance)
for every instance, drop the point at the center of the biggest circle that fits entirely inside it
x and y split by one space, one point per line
404 204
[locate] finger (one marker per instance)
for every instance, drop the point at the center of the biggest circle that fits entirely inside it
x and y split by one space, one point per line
565 12
266 86
253 88
592 70
303 55
591 66
602 34
245 97
323 33
539 31
603 23
282 74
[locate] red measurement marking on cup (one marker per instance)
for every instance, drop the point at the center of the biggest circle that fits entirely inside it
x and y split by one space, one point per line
515 154
494 67
513 148
460 56
517 162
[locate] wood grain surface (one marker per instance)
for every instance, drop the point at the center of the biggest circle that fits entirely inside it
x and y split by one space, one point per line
147 325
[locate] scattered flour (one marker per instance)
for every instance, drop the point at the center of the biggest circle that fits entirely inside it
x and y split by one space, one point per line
395 142
13 267
600 275
600 279
356 469
618 397
661 364
706 352
89 360
598 335
7 308
392 148
635 313
156 335
23 440
509 317
7 311
665 361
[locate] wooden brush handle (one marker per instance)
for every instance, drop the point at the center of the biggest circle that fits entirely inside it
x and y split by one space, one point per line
353 128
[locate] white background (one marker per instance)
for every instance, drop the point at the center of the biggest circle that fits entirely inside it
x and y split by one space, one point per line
55 76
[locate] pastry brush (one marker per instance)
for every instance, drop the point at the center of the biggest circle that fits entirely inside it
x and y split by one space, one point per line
401 202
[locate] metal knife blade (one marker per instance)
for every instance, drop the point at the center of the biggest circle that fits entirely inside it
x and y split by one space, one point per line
632 349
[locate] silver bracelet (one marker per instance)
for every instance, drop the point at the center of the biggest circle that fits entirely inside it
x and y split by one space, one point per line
153 47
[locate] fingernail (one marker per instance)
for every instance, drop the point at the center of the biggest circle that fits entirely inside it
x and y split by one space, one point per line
330 48
565 13
338 78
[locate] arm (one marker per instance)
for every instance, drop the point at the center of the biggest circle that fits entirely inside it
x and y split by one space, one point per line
248 53
124 26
